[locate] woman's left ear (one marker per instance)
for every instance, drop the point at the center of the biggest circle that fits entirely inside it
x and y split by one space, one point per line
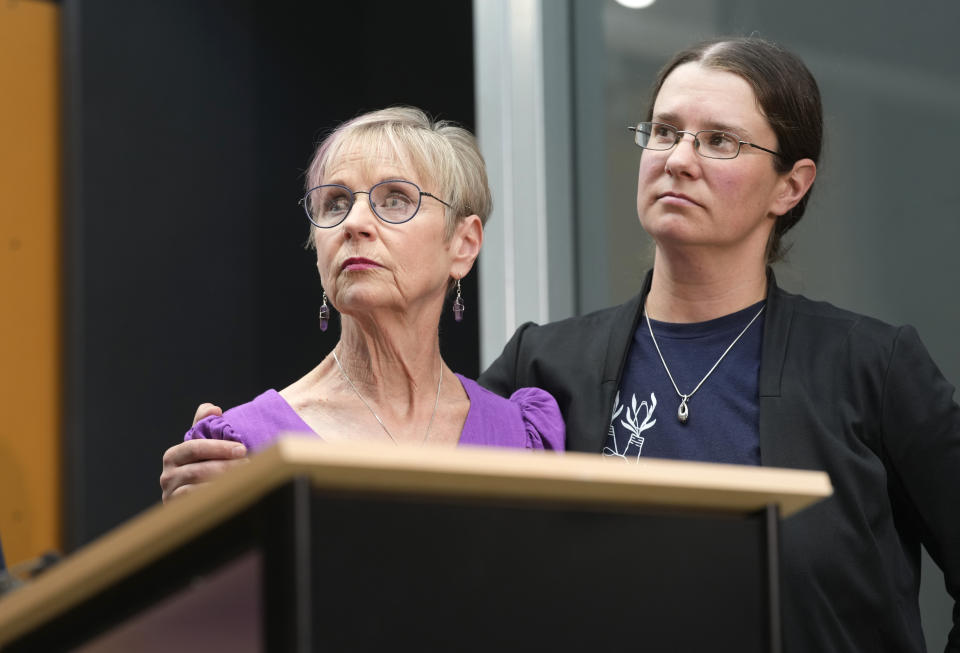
795 185
465 246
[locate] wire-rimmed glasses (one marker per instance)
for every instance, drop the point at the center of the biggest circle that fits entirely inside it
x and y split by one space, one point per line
394 200
709 143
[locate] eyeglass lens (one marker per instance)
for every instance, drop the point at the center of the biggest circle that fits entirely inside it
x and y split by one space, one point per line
392 201
709 143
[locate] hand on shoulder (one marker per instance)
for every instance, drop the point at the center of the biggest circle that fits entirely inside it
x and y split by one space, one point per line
190 464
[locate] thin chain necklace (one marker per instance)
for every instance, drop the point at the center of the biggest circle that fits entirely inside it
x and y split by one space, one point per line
374 413
683 412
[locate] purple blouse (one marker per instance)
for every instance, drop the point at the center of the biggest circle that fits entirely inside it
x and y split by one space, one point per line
530 419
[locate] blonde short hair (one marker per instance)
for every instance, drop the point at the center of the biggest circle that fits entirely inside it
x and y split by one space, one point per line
443 154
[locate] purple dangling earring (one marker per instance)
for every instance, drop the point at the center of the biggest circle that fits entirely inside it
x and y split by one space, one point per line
324 313
458 305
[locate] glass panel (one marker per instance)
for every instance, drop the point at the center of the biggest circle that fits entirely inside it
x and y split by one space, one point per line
881 231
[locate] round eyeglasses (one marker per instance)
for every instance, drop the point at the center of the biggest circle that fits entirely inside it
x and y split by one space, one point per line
394 201
710 143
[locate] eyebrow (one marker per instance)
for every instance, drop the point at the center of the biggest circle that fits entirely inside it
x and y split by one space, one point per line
674 119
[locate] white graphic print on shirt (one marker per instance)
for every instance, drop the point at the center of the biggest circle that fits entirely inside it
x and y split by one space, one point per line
634 425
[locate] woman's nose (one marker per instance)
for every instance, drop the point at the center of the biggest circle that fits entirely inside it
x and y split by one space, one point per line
361 220
683 157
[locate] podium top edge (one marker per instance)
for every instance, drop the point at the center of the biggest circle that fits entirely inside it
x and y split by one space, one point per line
547 475
574 480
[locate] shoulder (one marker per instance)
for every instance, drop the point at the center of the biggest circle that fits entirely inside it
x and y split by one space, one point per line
590 336
814 320
262 407
567 357
256 423
530 418
831 349
597 321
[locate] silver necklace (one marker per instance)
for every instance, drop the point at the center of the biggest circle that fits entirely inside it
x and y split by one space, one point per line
374 413
683 412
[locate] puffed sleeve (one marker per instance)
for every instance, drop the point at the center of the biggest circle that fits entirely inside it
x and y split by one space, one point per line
921 433
255 424
542 420
214 427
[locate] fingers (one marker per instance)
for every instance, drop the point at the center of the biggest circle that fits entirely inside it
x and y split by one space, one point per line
197 461
193 451
206 410
178 480
181 491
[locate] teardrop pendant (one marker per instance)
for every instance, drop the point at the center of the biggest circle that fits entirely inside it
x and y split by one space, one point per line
683 412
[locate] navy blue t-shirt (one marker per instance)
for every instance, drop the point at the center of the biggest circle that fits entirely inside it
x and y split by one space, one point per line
723 422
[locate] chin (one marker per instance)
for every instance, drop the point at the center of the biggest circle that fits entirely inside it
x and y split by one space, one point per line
666 224
360 300
676 234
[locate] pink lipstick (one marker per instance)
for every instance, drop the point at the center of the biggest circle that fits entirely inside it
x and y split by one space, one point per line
359 263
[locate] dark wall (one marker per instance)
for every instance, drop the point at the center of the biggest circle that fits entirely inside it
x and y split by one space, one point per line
187 128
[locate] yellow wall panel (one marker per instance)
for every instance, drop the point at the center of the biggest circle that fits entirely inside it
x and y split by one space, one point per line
29 279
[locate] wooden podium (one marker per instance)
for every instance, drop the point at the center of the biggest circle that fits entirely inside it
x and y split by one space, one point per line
356 548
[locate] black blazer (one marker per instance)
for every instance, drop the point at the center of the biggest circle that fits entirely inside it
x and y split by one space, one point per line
839 392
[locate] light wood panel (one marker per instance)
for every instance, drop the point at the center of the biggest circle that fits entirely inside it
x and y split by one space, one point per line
508 475
29 279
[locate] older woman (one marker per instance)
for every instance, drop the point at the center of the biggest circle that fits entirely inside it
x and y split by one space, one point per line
713 361
397 204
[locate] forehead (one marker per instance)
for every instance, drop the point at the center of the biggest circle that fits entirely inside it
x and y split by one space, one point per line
373 156
707 98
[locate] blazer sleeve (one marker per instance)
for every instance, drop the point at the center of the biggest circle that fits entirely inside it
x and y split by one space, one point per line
921 437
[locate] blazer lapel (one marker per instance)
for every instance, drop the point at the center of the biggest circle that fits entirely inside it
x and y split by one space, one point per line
774 450
619 340
776 329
